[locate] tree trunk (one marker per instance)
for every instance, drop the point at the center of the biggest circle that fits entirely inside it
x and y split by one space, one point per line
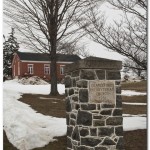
54 90
139 73
53 70
53 41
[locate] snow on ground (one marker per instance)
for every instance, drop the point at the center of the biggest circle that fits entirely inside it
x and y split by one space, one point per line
27 129
131 93
139 115
50 98
134 123
13 85
134 103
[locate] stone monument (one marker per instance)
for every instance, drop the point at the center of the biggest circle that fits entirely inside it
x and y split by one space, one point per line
93 105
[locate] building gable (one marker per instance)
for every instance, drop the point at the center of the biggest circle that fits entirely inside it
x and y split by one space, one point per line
15 59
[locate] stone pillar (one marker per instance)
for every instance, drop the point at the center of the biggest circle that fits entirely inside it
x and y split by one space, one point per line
93 105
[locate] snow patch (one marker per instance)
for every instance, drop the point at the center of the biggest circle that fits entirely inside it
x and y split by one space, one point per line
134 123
50 98
134 103
131 93
129 115
13 85
34 80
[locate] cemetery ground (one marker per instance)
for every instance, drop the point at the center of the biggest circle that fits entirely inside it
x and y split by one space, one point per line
55 106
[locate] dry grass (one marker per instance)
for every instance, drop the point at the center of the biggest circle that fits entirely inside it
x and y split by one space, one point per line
137 86
135 99
52 106
134 110
135 140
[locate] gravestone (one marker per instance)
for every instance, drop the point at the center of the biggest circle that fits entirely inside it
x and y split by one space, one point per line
93 105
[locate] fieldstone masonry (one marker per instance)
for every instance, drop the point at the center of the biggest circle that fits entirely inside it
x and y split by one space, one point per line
93 105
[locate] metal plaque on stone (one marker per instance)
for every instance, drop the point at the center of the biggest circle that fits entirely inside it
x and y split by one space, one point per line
102 91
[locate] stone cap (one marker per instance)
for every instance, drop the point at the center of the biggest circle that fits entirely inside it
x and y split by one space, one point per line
94 63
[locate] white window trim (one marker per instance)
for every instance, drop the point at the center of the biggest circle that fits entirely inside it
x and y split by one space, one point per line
46 65
32 69
62 66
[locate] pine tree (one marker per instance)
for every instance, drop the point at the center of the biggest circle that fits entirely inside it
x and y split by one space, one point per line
10 47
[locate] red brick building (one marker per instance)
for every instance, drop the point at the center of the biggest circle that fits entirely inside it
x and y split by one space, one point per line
38 64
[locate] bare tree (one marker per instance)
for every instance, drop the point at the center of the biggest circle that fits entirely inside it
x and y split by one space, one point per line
128 65
45 23
73 48
127 36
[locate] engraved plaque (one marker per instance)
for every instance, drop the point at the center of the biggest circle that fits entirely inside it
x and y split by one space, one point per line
102 91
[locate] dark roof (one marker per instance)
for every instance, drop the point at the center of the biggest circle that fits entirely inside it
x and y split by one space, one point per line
45 57
100 59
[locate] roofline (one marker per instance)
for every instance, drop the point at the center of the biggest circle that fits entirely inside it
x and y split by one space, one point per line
46 53
62 62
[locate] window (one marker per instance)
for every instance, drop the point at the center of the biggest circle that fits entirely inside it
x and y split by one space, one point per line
62 70
30 68
46 68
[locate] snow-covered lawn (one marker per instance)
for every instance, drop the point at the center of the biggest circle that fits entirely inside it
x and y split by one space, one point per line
13 85
27 129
